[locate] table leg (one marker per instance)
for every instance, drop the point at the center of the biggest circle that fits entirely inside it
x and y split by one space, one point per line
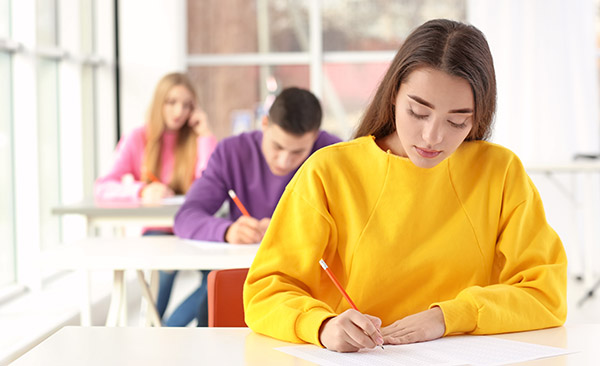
117 299
588 244
85 314
123 303
152 312
588 227
154 291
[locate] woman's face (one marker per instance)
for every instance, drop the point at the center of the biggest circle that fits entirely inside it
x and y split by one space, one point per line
434 115
178 107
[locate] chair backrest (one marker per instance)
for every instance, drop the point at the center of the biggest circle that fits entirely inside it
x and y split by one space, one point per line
225 300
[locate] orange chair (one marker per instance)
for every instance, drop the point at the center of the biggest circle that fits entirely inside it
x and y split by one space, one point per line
225 300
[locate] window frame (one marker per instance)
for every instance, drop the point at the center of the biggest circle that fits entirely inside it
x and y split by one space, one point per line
79 146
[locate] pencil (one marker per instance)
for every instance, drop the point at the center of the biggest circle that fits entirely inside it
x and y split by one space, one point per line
339 287
152 177
238 203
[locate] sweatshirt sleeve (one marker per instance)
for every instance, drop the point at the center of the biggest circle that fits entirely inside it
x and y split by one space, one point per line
205 146
129 154
528 280
195 219
283 293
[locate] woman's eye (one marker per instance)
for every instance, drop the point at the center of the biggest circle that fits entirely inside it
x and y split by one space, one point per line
457 125
417 116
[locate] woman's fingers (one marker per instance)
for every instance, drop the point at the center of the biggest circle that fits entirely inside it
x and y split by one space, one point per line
424 326
367 323
155 192
375 320
350 332
360 337
199 122
405 337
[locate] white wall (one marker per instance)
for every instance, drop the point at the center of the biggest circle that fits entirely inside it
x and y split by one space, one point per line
546 68
152 42
544 55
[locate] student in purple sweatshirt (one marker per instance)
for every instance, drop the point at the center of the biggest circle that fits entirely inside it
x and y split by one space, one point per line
257 165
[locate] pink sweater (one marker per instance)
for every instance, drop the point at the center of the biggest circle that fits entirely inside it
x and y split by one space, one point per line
130 154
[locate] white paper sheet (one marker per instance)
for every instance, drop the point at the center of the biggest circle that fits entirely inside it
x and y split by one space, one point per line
174 200
456 350
217 244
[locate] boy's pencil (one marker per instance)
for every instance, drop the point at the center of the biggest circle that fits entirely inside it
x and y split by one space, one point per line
339 287
238 203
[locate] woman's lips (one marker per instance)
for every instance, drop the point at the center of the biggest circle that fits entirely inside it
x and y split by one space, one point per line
426 153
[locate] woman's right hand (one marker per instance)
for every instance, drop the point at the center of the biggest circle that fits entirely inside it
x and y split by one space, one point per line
155 192
351 331
199 122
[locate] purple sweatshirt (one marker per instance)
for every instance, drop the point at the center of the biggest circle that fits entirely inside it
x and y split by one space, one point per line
237 163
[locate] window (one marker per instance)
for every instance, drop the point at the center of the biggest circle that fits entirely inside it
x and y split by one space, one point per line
58 59
598 37
46 23
7 244
246 103
48 150
380 24
326 46
4 19
88 96
246 26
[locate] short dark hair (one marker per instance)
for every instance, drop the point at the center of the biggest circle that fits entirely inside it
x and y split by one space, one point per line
455 48
296 111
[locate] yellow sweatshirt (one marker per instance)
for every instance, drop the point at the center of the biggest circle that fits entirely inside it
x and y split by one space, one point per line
468 235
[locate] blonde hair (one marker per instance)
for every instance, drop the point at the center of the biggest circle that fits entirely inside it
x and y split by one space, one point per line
185 147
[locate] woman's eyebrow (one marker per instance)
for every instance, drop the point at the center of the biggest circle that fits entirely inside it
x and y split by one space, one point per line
421 101
427 104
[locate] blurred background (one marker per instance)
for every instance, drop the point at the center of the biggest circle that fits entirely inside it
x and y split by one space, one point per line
76 75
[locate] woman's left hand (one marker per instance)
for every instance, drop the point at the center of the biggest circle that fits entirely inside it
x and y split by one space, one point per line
199 122
424 326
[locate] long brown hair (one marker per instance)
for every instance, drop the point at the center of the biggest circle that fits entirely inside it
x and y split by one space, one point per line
455 48
185 148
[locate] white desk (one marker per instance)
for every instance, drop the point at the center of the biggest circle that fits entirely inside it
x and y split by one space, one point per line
143 253
579 166
238 346
120 213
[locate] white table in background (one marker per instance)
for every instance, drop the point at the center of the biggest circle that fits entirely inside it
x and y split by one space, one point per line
240 346
587 169
142 253
123 213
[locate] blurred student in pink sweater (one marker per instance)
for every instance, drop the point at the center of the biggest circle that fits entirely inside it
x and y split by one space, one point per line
163 157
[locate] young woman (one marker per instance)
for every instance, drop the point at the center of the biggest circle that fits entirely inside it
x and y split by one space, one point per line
430 229
163 157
